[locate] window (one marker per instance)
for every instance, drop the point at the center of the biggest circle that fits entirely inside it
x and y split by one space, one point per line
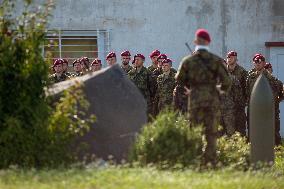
75 44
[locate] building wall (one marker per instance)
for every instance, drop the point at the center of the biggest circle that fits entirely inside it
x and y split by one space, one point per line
141 26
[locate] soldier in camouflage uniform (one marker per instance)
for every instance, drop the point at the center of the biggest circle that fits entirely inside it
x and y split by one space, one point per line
85 64
229 104
125 59
96 65
77 66
165 86
200 73
58 76
141 78
111 59
154 55
65 67
240 75
268 67
277 90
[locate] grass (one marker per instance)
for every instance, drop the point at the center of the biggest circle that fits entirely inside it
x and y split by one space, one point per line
138 178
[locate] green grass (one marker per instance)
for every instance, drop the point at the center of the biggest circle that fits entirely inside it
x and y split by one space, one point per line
114 177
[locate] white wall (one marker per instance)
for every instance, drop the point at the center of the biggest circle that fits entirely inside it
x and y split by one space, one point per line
144 25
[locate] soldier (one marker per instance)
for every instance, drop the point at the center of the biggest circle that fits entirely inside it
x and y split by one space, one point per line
239 75
141 78
165 86
77 66
268 67
277 90
125 58
65 67
229 103
96 65
200 73
153 85
253 69
154 55
111 58
85 63
58 76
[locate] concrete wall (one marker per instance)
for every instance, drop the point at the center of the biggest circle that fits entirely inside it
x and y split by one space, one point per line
144 25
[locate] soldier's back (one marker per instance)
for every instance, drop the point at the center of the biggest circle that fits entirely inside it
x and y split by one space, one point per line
205 68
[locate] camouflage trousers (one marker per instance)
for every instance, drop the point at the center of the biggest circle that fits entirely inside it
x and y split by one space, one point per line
240 120
228 121
209 118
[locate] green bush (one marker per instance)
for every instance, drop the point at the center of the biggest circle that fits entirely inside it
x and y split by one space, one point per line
33 133
233 151
168 142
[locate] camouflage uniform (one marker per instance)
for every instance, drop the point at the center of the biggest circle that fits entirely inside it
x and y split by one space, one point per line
277 90
54 79
240 75
151 68
229 104
69 74
142 80
77 74
180 99
153 86
165 87
127 68
200 73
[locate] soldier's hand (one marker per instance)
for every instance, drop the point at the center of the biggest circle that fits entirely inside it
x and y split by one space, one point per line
187 91
219 90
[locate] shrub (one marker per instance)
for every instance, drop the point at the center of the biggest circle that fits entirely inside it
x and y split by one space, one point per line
32 133
168 142
233 151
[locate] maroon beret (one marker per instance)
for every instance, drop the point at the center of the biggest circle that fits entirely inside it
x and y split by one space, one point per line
125 53
65 60
97 61
259 58
155 53
140 56
111 55
57 62
84 59
256 55
76 61
162 56
267 65
167 60
203 34
232 53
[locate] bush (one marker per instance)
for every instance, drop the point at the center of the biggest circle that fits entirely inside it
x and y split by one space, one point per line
32 133
233 151
168 142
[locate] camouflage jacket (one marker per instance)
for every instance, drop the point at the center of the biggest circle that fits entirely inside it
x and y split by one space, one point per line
141 80
274 83
126 68
151 68
200 73
77 74
180 100
240 75
165 87
69 74
54 79
234 97
154 76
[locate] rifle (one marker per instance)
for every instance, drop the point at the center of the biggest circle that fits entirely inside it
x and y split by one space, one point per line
188 47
